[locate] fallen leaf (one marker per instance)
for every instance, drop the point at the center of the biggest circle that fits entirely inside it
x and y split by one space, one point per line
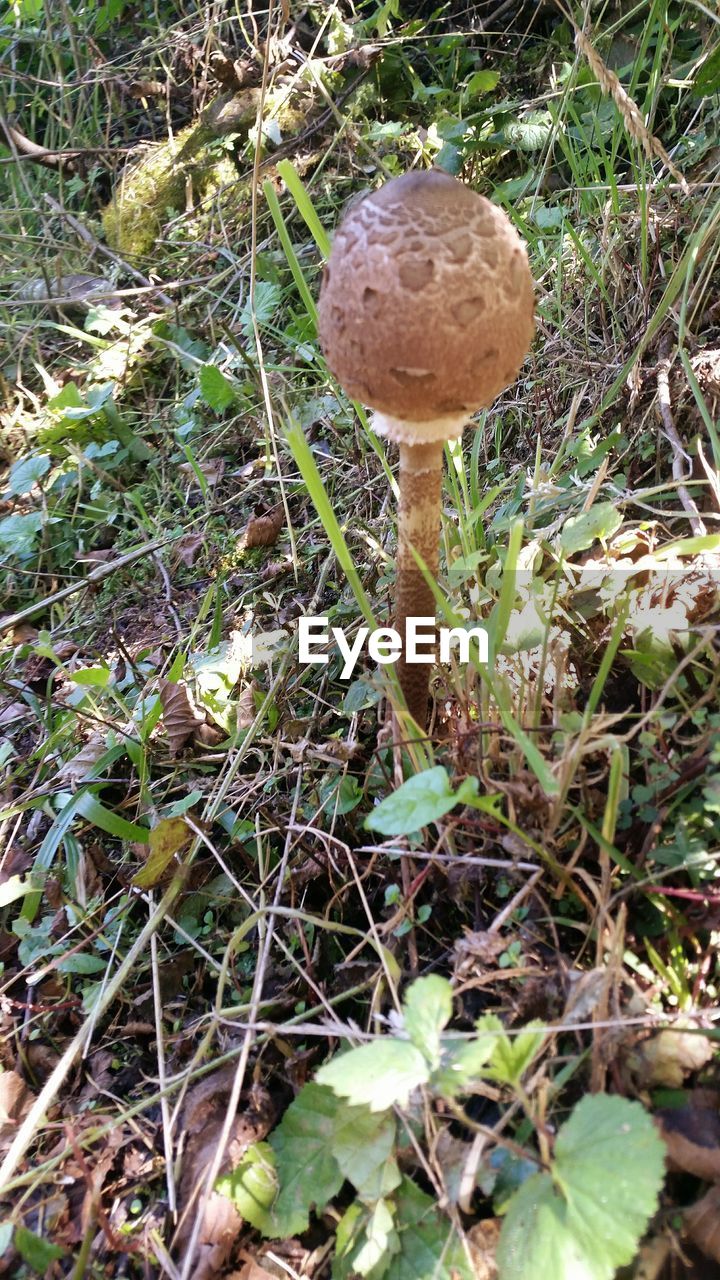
263 531
187 548
167 838
702 1223
692 1137
79 766
211 468
665 1059
209 735
16 1100
180 715
246 710
204 1115
482 1239
12 713
24 634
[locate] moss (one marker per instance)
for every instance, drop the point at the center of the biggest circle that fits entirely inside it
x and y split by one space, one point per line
157 185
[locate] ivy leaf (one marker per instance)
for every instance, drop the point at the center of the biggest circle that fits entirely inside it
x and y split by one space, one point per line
422 799
512 1055
252 1186
580 532
363 1143
376 1075
429 1246
308 1172
217 391
584 1219
427 1009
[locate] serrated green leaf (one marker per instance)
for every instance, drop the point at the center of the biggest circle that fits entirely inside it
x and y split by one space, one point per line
430 1248
586 1218
363 1143
427 1009
422 799
308 1172
512 1055
580 532
610 1162
252 1186
376 1075
216 390
536 1241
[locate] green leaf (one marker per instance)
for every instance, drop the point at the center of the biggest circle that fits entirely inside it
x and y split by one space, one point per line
512 1055
18 533
429 1246
216 390
38 1253
89 806
363 1144
252 1186
365 1241
422 799
481 82
25 473
82 963
377 1075
464 1061
536 1241
427 1009
585 1219
580 532
99 677
308 1172
530 134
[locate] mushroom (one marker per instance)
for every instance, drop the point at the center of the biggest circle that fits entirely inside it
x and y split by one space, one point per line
425 315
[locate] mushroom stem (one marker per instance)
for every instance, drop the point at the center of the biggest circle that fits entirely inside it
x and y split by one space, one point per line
418 527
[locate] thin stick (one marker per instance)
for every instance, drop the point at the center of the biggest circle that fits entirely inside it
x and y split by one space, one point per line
680 457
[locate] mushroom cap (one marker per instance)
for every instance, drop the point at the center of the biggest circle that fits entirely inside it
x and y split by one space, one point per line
426 305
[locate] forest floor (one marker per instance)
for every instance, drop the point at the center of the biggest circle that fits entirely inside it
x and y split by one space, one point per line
218 872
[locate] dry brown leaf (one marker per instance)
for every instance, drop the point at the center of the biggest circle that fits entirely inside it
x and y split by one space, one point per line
209 735
16 1100
263 531
211 468
203 1119
246 710
187 548
12 713
692 1137
702 1223
77 768
180 715
24 634
483 1240
252 1271
668 1057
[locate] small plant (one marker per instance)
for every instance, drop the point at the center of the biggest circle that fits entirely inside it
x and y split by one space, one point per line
582 1213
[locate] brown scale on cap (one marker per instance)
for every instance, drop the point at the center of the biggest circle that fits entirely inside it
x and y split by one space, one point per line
425 314
426 308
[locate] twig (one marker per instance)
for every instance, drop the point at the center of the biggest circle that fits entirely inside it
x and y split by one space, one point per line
679 454
98 247
12 620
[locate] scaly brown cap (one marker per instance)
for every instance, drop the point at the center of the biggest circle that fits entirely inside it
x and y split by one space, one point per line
426 306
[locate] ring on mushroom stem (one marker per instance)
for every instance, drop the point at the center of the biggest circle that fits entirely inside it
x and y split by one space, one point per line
425 315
